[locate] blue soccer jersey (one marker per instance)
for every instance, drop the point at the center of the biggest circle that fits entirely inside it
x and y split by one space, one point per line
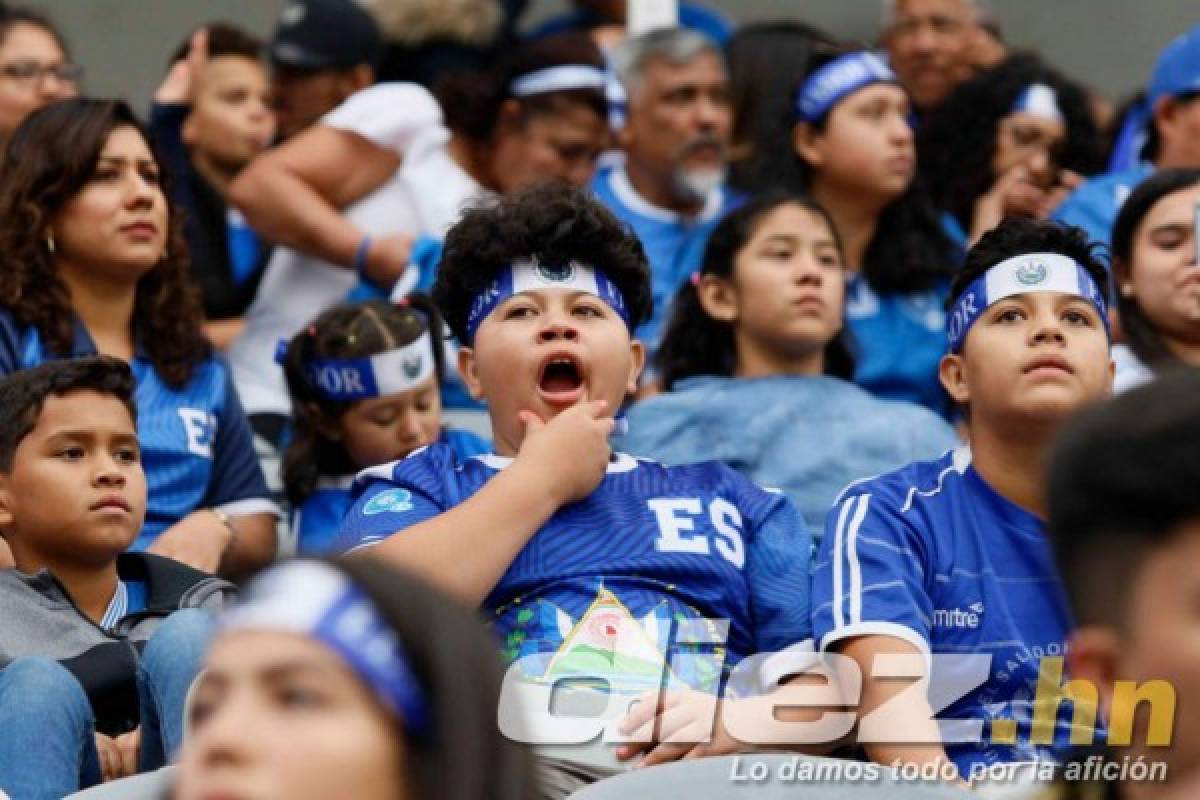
674 244
197 449
932 555
604 586
315 524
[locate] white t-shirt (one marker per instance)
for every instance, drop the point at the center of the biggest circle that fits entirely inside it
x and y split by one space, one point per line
1131 372
425 195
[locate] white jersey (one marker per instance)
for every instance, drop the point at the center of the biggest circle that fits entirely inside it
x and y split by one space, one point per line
424 196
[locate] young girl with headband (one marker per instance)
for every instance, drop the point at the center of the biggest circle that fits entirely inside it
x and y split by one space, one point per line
364 383
854 146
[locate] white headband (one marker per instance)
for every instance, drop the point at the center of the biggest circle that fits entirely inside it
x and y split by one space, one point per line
559 79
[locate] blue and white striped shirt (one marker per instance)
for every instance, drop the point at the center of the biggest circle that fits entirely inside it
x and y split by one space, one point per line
932 555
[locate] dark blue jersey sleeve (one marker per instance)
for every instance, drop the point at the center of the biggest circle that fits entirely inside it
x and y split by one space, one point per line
237 482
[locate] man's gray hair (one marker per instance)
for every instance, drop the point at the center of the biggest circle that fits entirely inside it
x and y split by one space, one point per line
676 46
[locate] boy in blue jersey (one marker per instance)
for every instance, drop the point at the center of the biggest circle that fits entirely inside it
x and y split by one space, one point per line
590 564
950 556
97 646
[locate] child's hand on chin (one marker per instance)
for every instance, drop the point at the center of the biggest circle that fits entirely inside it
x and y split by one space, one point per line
570 453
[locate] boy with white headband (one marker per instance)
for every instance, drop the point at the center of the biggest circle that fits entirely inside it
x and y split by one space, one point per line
951 556
589 563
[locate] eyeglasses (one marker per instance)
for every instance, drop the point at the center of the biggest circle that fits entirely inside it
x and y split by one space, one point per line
30 73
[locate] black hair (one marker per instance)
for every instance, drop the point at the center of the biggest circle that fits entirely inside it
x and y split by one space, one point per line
910 251
357 330
12 16
1153 145
1019 235
224 39
23 393
1122 483
957 140
694 343
767 61
471 100
551 222
1140 333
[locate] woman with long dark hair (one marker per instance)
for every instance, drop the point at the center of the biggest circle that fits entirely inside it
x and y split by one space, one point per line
857 158
92 261
1156 267
1012 141
756 366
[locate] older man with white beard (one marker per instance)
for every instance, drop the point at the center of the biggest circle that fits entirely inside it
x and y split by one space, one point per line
669 187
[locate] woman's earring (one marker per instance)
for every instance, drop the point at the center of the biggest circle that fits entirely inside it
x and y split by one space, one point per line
50 242
1127 290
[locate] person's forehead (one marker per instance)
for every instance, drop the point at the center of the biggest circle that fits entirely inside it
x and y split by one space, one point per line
233 67
924 9
82 409
704 67
25 40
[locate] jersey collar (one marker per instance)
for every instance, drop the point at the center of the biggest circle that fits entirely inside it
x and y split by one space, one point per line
620 462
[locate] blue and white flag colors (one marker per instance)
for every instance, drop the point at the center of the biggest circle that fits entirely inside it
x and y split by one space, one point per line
843 76
352 379
1039 100
563 78
531 275
317 601
1023 274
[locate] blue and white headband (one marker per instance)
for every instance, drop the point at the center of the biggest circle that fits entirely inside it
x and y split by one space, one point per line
563 78
1031 272
843 76
315 600
1039 100
529 275
389 372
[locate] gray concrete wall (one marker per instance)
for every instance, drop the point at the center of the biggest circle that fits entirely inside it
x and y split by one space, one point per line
1109 43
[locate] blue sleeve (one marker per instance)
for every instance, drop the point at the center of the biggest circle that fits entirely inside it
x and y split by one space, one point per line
166 130
871 573
236 474
10 345
392 497
1092 207
778 560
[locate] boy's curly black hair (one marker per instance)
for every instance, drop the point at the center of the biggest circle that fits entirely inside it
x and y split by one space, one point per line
551 222
1019 235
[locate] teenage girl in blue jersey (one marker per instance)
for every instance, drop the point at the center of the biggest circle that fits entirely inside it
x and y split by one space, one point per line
857 158
364 385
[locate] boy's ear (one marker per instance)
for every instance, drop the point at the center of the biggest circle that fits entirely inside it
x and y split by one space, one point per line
1093 656
470 376
718 298
952 372
6 514
637 352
